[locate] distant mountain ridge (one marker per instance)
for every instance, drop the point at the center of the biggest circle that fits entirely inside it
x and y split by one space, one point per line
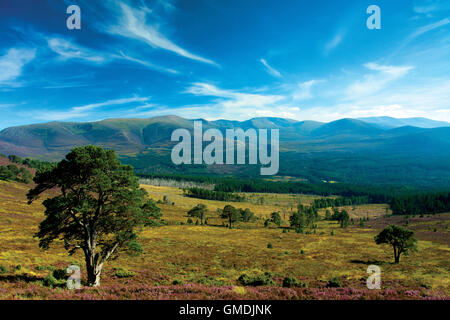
374 150
390 123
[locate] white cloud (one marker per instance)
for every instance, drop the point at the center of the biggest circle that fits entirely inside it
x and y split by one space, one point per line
83 111
147 64
373 83
133 24
272 71
69 50
334 42
12 63
430 27
303 90
233 99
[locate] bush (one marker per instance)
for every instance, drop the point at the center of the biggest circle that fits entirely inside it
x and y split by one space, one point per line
177 282
51 281
42 268
334 283
269 246
60 274
264 279
3 269
290 282
122 273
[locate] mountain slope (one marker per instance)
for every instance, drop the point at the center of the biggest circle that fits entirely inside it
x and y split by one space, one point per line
389 123
349 150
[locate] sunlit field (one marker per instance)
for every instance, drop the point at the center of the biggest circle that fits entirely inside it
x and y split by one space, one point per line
189 261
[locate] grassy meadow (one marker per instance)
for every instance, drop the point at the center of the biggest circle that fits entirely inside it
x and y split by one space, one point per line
189 261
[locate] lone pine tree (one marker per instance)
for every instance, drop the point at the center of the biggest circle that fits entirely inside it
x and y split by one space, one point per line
99 207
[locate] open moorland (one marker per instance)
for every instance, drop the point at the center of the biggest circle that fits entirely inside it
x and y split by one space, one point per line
183 260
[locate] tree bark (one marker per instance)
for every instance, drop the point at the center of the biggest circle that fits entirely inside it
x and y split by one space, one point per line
93 270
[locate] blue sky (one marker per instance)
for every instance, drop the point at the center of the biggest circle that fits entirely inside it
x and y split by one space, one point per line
229 59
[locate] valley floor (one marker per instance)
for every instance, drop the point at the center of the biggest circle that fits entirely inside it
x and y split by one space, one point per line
182 261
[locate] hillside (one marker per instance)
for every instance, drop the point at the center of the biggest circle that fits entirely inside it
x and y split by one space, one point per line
210 259
371 150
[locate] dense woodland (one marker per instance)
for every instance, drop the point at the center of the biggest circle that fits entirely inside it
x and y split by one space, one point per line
429 203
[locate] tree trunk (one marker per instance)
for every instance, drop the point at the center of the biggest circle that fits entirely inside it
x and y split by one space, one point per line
94 277
396 255
92 269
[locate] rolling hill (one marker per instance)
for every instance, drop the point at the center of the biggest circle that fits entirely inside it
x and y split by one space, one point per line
370 150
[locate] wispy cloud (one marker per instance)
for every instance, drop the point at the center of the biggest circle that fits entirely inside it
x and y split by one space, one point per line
83 111
272 71
233 99
69 50
303 90
232 104
334 42
372 83
148 64
430 27
12 63
133 24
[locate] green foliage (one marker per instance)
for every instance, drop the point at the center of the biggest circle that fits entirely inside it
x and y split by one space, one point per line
60 274
246 215
122 273
201 193
198 211
264 279
52 282
334 283
231 214
100 207
15 159
291 282
177 282
428 203
42 268
269 246
305 217
3 269
276 218
401 239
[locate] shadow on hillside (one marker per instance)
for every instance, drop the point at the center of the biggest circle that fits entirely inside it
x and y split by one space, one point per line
369 262
19 278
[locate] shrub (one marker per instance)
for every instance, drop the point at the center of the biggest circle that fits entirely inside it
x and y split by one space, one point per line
3 269
334 283
51 281
59 274
189 221
269 246
302 251
290 282
42 268
177 282
264 279
122 273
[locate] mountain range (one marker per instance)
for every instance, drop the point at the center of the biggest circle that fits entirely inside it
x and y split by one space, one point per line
379 150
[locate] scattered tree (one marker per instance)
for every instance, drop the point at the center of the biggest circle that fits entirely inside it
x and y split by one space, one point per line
99 207
198 211
275 218
401 239
229 212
